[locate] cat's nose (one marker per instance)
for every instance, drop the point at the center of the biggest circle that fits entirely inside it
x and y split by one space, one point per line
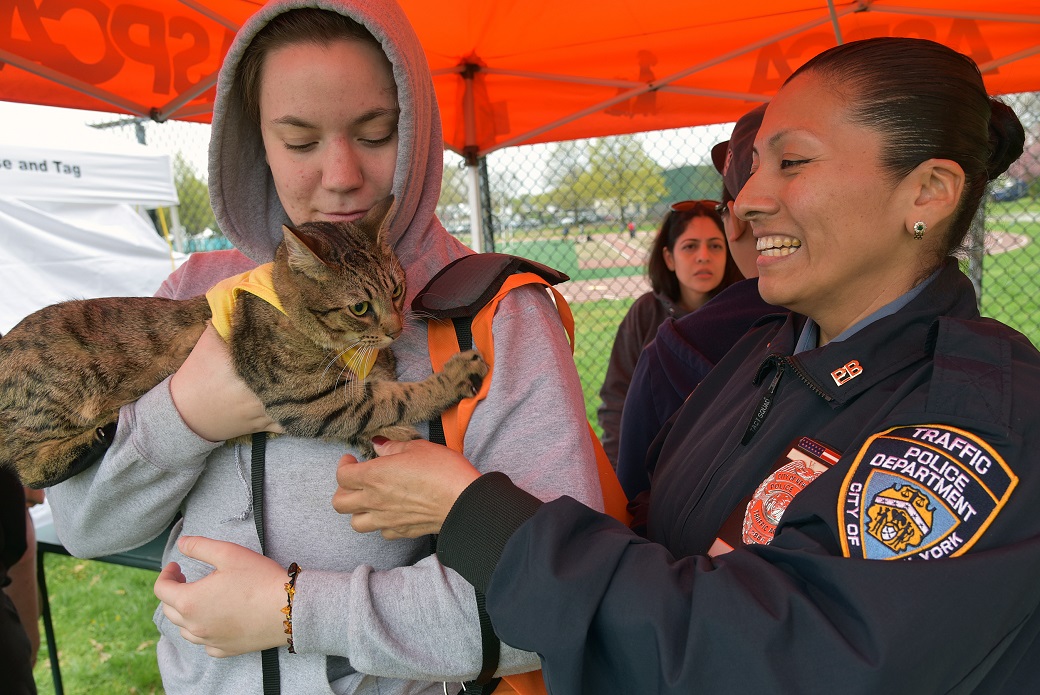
393 326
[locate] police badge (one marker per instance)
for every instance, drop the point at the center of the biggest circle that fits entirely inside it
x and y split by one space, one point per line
805 461
755 518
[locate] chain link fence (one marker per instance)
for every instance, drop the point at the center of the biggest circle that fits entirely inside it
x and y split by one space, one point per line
592 207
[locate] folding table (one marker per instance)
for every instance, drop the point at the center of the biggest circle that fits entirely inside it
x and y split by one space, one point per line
148 556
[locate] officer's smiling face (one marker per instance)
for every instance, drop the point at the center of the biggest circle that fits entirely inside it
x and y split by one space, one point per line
828 221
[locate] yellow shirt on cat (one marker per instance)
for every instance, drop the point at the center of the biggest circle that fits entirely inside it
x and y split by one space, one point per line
257 281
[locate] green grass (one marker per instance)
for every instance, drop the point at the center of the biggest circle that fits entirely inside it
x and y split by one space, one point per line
595 326
1009 280
556 253
569 254
566 255
102 615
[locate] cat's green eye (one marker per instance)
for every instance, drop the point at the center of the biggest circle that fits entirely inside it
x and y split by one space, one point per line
398 291
359 309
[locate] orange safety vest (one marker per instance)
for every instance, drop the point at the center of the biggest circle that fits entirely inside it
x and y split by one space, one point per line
478 275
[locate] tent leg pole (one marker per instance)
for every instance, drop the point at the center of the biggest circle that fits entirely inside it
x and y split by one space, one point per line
475 212
178 228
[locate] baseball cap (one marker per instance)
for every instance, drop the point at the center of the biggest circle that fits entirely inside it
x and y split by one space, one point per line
733 157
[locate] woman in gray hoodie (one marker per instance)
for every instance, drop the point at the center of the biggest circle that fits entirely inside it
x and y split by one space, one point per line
322 126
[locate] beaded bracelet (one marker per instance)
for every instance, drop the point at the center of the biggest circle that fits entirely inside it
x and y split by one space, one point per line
290 591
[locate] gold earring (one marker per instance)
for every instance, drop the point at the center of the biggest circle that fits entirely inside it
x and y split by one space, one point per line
919 230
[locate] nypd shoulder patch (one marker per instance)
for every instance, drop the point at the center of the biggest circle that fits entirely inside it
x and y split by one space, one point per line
921 492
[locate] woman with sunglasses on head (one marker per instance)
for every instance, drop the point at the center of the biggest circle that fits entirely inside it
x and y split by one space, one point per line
689 263
847 502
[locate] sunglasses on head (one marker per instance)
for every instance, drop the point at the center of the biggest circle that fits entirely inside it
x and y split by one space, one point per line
701 206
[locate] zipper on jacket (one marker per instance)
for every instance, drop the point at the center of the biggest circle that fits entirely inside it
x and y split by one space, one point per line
809 381
780 362
764 406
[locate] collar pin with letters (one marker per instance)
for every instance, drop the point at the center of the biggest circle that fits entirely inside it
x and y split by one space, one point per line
844 374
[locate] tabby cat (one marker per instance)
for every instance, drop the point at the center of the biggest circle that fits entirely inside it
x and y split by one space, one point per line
66 369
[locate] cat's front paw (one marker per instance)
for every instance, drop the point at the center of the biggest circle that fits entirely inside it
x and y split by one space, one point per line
466 370
397 433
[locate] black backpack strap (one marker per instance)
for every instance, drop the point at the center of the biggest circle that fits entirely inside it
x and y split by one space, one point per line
268 657
485 682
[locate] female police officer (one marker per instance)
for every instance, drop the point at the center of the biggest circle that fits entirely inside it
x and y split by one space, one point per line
847 502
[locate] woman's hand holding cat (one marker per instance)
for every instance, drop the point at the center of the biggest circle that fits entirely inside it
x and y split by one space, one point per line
406 492
210 396
234 610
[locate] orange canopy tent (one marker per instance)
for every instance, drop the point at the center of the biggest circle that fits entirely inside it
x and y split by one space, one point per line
510 72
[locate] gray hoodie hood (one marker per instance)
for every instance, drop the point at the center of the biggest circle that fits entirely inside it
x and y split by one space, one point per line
242 190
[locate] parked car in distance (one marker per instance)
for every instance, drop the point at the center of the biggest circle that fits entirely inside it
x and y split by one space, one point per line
583 217
457 226
1008 190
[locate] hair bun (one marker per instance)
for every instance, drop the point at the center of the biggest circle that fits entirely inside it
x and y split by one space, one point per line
1006 136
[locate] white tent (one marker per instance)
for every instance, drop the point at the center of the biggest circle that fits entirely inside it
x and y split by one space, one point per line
72 218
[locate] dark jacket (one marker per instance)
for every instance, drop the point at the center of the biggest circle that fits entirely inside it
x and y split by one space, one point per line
15 649
12 519
672 365
636 330
935 427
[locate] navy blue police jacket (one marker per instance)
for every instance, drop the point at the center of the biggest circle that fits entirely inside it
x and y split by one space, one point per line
903 464
671 366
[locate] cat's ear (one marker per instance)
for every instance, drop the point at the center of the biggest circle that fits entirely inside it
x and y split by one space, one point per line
377 220
300 256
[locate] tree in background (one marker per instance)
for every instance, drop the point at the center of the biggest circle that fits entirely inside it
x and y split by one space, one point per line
454 187
1027 168
603 174
195 212
620 171
565 169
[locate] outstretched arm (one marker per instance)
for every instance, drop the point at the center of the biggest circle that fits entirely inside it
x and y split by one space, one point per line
406 492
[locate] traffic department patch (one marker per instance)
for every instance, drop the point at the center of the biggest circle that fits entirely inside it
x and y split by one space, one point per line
921 492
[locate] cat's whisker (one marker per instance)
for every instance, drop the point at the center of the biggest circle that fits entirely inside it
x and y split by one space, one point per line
414 321
359 358
417 316
338 357
333 358
339 376
355 357
351 365
348 383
